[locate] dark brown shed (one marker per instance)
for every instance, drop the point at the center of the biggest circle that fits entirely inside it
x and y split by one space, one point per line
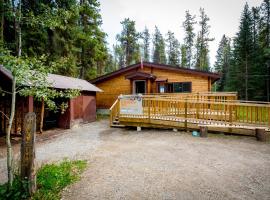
81 109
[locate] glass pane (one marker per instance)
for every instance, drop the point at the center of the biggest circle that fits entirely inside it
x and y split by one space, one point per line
177 87
187 87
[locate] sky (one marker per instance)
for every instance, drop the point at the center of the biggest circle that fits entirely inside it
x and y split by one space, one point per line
169 15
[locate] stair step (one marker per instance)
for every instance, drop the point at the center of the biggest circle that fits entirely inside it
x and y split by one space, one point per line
118 125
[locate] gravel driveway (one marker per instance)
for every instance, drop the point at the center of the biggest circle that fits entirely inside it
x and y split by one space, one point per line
158 164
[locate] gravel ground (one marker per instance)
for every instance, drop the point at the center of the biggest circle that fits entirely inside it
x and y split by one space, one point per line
159 164
56 145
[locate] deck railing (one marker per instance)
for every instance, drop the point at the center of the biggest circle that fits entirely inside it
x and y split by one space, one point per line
114 111
209 96
198 110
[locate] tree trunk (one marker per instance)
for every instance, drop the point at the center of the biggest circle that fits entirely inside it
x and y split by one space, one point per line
84 24
8 142
19 30
2 21
246 80
41 116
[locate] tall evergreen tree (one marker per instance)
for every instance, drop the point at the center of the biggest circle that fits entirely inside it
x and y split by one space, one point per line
264 42
159 54
222 64
184 61
188 25
173 49
67 31
128 39
119 56
242 56
146 44
202 43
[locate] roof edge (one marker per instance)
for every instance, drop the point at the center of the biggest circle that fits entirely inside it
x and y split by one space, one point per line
215 76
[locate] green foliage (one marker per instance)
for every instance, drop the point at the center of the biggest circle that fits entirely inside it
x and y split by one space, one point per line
173 51
17 192
146 44
51 180
159 55
202 43
67 32
188 25
128 40
223 60
184 61
31 75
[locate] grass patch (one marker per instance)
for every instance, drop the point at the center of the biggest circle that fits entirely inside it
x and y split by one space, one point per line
51 180
102 116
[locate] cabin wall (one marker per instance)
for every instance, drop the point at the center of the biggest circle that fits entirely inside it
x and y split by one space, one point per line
112 88
117 85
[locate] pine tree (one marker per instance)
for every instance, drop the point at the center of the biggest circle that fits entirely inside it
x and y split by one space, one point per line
188 25
173 51
159 55
222 64
128 39
264 43
184 60
119 56
242 57
202 43
146 44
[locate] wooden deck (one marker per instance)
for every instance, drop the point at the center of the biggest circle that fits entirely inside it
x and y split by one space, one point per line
219 111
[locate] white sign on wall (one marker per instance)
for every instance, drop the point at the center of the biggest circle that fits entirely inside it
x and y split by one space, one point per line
131 104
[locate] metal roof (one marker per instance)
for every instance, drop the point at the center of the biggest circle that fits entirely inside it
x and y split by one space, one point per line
65 82
62 82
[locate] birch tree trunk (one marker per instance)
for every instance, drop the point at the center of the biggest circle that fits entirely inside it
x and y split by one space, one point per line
8 142
41 116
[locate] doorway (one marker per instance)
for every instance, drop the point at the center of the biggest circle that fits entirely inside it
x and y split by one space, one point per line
139 87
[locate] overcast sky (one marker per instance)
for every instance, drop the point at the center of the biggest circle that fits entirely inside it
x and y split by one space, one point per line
169 15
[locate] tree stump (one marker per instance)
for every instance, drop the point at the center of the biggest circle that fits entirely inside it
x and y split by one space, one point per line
261 134
28 170
203 131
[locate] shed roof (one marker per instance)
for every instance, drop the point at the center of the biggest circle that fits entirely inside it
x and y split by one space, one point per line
62 82
177 69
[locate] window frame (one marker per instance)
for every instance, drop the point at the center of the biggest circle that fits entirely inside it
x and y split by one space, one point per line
182 87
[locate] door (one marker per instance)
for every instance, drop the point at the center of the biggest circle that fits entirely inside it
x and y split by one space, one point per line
139 87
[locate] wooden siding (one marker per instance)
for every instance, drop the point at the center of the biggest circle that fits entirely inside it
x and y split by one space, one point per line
117 85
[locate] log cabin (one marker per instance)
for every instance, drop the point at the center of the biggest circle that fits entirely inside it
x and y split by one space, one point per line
149 78
81 109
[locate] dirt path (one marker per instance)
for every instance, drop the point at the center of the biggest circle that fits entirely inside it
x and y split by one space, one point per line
156 164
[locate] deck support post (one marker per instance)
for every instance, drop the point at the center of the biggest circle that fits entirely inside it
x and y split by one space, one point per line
186 116
260 134
203 131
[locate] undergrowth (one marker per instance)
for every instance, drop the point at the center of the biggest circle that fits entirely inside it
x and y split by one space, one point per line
51 180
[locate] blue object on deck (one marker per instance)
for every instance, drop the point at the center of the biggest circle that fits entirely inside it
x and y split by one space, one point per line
195 134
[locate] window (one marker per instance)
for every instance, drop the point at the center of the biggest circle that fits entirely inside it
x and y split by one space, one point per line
178 87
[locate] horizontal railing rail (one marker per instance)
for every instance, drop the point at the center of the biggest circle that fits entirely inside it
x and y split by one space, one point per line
226 113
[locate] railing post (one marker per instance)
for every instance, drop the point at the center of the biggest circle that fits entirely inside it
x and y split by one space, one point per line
268 117
149 110
230 117
186 114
